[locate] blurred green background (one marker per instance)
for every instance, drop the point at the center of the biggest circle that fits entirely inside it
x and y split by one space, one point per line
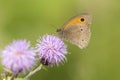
29 19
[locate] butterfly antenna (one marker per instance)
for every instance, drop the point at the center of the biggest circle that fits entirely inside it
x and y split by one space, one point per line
54 27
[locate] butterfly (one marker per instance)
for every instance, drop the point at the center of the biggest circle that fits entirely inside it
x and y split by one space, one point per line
77 30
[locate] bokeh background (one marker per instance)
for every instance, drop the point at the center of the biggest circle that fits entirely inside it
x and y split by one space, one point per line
29 19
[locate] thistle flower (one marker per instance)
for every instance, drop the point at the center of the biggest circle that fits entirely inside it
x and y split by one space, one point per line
18 57
51 50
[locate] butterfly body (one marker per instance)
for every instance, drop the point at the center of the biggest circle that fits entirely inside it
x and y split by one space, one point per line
77 30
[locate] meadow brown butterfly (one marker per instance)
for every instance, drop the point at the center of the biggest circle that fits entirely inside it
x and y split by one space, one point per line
77 30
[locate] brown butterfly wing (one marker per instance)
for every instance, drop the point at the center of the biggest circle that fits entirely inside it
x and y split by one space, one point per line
77 30
77 34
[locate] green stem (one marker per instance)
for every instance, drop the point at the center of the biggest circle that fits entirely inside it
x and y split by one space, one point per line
33 72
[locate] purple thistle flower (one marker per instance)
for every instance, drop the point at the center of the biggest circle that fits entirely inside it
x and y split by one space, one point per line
51 50
18 57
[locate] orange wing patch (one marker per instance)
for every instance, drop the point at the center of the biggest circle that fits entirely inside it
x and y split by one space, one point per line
77 20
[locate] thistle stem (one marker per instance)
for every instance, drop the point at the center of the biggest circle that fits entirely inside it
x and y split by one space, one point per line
33 72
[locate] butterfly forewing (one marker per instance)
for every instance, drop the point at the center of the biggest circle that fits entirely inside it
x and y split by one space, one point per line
77 30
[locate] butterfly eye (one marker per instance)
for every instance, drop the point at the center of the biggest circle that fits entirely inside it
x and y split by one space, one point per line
82 19
58 30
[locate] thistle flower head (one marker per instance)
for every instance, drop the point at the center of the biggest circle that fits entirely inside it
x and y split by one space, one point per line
51 50
18 56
